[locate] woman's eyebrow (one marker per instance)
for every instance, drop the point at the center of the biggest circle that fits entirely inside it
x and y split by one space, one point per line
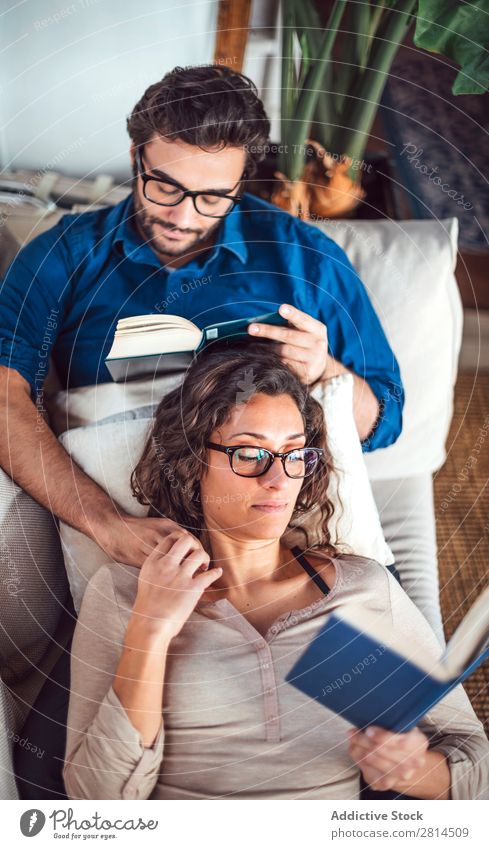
164 176
263 436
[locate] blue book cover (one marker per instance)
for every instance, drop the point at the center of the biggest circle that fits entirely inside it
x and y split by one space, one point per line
238 327
353 671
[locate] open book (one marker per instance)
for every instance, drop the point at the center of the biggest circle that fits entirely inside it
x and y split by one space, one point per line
156 344
357 668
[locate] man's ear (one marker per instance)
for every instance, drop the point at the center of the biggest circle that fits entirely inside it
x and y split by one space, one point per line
132 156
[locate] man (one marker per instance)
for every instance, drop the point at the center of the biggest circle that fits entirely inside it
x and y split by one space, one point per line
185 242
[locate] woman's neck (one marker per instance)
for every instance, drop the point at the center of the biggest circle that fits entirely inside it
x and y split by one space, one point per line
246 562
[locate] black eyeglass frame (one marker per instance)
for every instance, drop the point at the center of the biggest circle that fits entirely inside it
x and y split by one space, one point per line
185 192
230 450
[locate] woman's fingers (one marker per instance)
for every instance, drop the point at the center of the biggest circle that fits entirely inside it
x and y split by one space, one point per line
392 750
379 781
395 759
175 548
205 579
385 756
193 562
184 552
413 741
404 768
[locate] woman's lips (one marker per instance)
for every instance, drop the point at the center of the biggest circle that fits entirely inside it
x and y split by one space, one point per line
271 507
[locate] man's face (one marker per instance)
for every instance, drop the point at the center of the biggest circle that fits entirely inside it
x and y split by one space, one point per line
174 231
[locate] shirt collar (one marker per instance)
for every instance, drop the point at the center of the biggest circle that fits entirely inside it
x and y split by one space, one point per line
232 234
127 239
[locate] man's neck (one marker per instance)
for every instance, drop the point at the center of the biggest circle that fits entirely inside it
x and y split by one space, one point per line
178 261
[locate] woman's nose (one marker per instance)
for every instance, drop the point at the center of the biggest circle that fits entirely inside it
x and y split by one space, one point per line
275 476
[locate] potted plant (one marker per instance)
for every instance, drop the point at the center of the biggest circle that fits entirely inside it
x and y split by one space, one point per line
333 76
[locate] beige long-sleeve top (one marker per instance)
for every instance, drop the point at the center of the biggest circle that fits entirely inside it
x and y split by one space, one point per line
232 727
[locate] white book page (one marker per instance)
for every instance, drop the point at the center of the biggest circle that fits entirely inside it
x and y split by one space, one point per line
471 636
378 626
468 641
167 341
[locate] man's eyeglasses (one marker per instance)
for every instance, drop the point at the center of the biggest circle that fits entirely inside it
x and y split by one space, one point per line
167 192
250 461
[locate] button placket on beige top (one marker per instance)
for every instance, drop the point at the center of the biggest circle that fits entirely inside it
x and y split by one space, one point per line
263 649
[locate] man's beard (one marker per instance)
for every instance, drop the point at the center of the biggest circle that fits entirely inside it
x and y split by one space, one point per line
149 225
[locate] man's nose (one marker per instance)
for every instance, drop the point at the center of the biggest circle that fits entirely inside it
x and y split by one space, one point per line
183 216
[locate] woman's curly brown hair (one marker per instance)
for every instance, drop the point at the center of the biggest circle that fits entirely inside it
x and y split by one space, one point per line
167 477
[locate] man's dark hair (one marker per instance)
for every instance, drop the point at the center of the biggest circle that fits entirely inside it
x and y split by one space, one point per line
208 106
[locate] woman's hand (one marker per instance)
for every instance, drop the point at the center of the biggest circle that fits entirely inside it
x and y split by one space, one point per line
388 760
171 581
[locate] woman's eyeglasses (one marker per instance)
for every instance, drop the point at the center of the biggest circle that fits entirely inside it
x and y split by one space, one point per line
168 192
251 461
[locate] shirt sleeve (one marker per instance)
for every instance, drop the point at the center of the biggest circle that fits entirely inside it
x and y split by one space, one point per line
356 337
33 297
105 756
451 726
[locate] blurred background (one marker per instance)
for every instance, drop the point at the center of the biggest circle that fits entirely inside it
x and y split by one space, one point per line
384 94
71 73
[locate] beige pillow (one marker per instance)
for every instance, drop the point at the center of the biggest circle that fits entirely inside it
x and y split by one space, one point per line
108 453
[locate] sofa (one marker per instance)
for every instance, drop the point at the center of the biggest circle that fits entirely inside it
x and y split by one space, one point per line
408 270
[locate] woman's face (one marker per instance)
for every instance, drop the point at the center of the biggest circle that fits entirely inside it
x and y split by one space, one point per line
261 507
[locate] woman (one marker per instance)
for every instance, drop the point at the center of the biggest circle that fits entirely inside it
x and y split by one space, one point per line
178 669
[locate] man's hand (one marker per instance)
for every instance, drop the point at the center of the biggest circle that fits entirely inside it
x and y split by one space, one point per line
386 759
32 455
303 347
130 540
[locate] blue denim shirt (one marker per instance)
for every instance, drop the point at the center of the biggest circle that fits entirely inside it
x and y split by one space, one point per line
65 291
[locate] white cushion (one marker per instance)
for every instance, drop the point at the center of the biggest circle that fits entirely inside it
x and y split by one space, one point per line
108 452
408 270
73 408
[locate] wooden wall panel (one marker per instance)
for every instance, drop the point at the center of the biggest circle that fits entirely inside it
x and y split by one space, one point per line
232 32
